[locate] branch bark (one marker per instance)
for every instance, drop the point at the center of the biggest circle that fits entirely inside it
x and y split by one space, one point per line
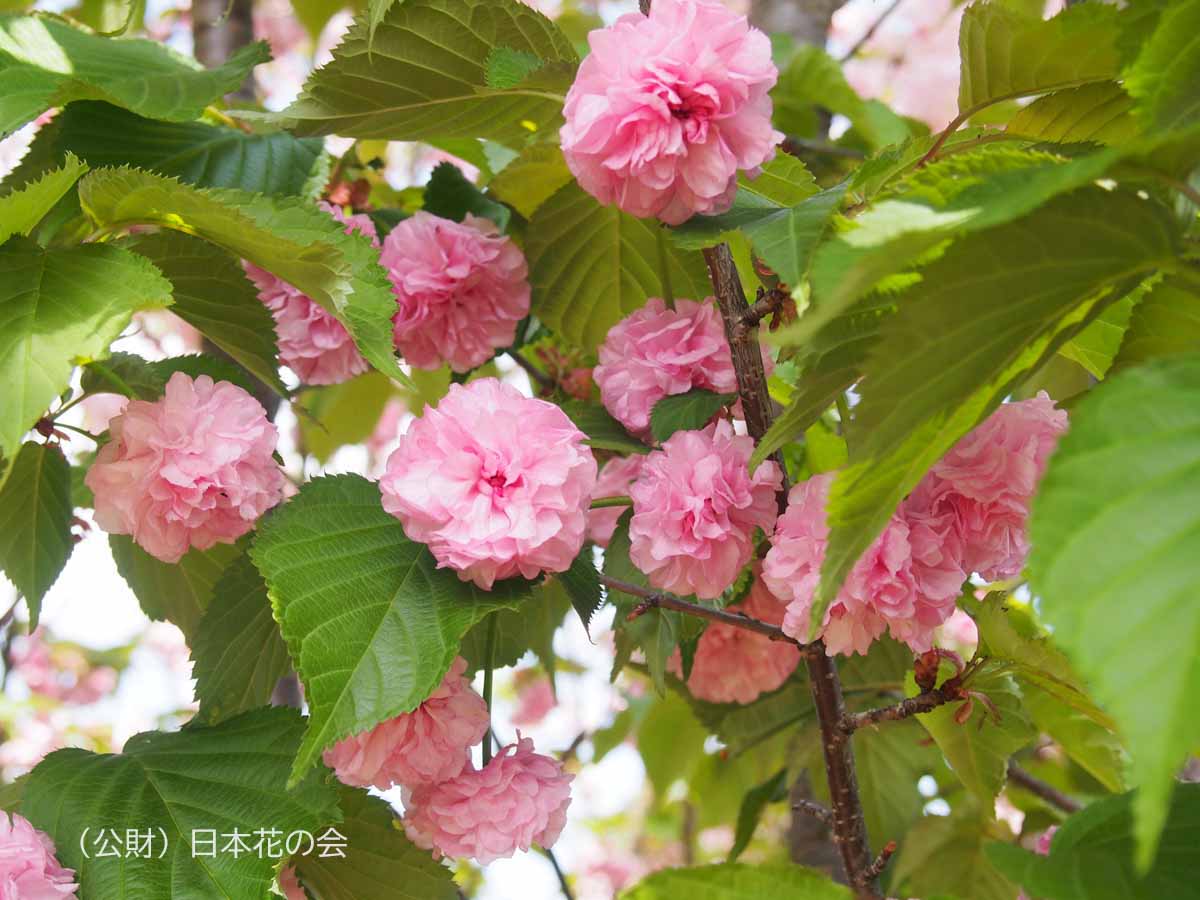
912 706
848 826
1036 786
220 28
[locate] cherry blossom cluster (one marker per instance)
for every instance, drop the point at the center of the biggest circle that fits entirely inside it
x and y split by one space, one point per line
461 288
28 866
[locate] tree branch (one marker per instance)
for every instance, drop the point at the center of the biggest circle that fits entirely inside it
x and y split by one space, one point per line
1036 786
658 600
814 809
870 32
848 826
912 706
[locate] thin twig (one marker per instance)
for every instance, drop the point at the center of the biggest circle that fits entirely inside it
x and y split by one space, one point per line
912 706
489 664
870 32
814 809
794 146
657 600
1050 794
881 860
768 302
543 380
562 876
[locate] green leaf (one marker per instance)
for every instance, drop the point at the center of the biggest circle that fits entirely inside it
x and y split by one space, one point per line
238 652
737 881
582 584
288 237
58 307
419 72
1093 747
1127 618
1092 854
773 790
592 265
671 742
1099 112
214 296
371 622
507 68
686 412
226 778
978 750
380 862
342 414
196 153
531 179
1165 323
35 523
960 341
787 240
519 630
602 430
1095 346
1163 79
450 195
743 727
140 379
1006 54
46 62
21 210
944 856
178 593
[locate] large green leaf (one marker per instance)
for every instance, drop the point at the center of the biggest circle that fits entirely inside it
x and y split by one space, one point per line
738 881
371 622
58 307
342 414
21 210
943 857
35 522
423 75
238 652
1095 346
290 238
214 296
1007 54
592 265
671 743
743 727
686 412
987 312
194 152
602 430
1163 79
754 803
978 749
1091 856
1114 561
178 593
889 761
1099 112
380 862
181 787
46 62
1165 323
532 178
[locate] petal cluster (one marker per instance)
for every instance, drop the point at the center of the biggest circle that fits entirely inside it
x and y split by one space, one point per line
29 869
431 743
312 343
495 483
695 508
290 884
614 481
657 352
518 799
735 665
667 108
461 289
191 469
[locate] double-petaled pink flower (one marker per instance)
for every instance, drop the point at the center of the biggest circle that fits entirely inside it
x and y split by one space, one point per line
29 869
668 107
495 483
192 469
695 508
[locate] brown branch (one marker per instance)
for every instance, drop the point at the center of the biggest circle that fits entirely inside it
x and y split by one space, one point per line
1036 786
881 860
658 600
795 146
814 809
848 826
540 378
768 303
912 706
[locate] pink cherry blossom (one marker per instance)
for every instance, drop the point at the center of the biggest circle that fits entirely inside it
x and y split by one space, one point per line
517 800
614 481
984 485
656 352
695 508
668 107
312 343
191 469
28 868
1042 848
461 289
290 884
888 588
534 701
495 483
734 665
431 743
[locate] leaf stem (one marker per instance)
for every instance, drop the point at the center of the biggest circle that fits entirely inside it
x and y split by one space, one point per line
86 434
605 502
562 876
113 378
489 659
